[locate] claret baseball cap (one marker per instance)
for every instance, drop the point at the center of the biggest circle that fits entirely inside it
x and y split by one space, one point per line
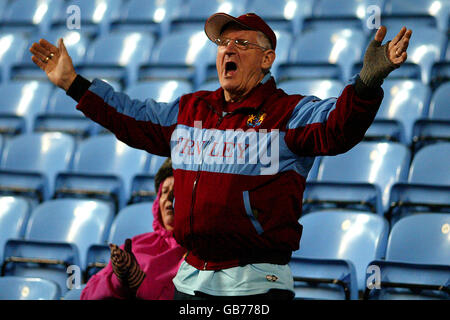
250 21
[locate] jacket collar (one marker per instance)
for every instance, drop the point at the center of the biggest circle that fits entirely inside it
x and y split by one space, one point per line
255 98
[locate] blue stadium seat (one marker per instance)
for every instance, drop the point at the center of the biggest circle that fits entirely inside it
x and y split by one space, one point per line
14 214
335 249
195 12
143 185
159 90
74 294
150 16
26 288
324 53
180 55
320 88
428 186
13 47
349 13
29 15
417 264
62 116
30 163
282 14
210 85
103 168
21 101
375 168
58 235
94 16
116 56
131 221
435 127
433 12
405 101
440 73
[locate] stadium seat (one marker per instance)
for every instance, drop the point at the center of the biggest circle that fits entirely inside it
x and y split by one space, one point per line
349 13
428 186
405 101
324 53
26 288
58 235
440 73
320 88
432 12
62 116
74 294
435 127
417 264
335 249
116 56
159 90
282 14
195 12
131 221
149 16
103 168
13 46
21 101
30 163
375 167
29 15
211 85
94 17
180 55
14 213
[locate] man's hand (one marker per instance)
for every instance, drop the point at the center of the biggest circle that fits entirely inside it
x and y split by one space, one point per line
380 60
55 61
396 50
125 265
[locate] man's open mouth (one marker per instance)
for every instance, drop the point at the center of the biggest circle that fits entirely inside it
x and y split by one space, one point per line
230 68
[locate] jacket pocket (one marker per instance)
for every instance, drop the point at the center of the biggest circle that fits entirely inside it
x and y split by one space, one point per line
250 213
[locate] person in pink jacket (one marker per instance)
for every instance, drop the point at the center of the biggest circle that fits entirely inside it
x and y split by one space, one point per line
144 266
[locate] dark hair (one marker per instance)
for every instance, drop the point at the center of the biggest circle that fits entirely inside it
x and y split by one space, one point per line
164 172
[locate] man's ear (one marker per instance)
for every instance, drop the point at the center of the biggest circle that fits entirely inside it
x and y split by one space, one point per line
268 59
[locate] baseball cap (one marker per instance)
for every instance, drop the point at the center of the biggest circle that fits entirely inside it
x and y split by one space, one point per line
249 21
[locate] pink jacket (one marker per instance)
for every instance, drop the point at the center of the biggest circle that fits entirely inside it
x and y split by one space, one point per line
158 255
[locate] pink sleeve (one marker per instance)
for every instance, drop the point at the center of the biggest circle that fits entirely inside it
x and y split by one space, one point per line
104 285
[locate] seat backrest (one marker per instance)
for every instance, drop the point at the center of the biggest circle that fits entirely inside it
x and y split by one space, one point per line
344 8
322 89
379 163
439 109
75 42
420 238
104 154
12 46
77 221
61 103
150 10
342 47
355 236
404 101
120 48
430 165
23 288
159 90
131 221
45 153
14 213
201 10
187 47
92 12
281 9
32 12
24 99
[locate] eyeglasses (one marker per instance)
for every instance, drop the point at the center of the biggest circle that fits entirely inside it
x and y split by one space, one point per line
240 43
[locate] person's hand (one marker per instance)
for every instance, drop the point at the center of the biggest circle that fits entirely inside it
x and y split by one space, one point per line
55 61
396 50
380 60
125 265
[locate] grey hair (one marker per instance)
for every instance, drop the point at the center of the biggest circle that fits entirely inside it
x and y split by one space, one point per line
263 41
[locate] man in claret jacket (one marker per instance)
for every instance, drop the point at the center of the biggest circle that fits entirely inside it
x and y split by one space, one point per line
240 154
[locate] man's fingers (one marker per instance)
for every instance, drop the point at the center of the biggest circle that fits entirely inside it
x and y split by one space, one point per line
381 33
47 45
62 46
39 52
38 62
399 36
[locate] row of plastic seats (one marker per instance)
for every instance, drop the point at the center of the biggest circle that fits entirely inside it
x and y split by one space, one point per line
45 165
188 54
351 255
339 250
382 178
101 16
410 113
63 233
